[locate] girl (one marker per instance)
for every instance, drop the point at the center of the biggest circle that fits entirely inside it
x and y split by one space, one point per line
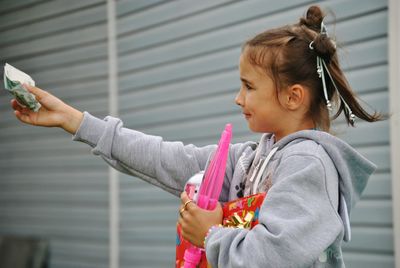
290 80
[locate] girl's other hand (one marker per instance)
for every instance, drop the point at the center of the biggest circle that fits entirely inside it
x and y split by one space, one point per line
53 113
195 222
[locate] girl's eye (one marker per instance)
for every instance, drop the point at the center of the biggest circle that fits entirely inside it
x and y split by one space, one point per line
248 87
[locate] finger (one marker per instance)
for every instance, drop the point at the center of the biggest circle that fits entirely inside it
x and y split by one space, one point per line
218 206
22 117
17 106
184 230
180 221
39 93
189 205
186 203
184 235
184 197
181 211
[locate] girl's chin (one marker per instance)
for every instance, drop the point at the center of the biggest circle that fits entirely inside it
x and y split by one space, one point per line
257 129
253 128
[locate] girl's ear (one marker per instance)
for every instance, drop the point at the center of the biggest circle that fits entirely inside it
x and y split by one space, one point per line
296 96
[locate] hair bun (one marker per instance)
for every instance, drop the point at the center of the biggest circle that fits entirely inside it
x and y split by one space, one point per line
322 45
313 19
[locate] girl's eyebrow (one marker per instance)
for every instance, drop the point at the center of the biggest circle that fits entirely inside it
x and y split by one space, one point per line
244 80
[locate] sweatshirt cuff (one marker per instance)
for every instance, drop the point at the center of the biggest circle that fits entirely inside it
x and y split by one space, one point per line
90 130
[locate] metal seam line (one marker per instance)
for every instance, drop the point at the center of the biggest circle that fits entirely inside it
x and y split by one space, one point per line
394 97
113 111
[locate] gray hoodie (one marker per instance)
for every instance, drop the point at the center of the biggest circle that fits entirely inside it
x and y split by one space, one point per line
316 180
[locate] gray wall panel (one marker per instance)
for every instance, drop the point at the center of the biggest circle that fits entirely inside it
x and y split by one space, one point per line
50 186
62 15
60 41
127 7
371 260
7 6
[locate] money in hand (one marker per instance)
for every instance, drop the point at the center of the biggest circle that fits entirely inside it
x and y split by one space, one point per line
13 80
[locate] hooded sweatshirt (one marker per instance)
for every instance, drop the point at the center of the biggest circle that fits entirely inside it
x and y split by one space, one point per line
313 180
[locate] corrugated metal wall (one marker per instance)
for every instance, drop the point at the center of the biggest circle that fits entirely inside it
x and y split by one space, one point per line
178 76
51 186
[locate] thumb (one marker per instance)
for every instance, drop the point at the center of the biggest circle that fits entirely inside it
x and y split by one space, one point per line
219 207
39 93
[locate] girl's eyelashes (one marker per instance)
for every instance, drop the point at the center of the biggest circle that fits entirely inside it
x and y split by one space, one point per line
247 84
248 87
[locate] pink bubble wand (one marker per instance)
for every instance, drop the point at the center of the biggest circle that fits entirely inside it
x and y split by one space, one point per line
210 188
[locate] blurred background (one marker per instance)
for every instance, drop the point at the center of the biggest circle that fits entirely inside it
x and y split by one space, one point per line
177 78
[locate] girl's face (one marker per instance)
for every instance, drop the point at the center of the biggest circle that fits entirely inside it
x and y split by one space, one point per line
258 99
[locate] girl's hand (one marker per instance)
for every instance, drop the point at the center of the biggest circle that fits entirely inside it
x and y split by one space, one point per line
195 222
53 113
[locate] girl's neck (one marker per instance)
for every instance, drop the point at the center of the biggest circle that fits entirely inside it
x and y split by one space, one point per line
292 129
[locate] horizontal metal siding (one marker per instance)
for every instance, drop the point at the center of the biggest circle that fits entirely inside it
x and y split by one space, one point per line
178 78
365 61
50 186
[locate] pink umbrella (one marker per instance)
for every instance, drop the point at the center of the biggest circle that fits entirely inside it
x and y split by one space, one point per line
210 188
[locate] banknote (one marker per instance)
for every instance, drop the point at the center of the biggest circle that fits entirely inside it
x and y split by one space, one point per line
13 80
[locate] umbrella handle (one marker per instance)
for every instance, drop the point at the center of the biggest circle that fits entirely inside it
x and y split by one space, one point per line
192 257
206 202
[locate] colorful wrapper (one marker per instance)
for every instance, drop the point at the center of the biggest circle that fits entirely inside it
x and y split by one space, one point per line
243 212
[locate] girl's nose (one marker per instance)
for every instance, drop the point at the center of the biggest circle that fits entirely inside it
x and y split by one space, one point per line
239 98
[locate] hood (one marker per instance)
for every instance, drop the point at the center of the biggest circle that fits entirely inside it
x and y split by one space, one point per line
353 169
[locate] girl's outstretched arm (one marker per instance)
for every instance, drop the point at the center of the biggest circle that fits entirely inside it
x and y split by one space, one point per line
165 164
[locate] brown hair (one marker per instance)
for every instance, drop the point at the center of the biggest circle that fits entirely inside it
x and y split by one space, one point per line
285 54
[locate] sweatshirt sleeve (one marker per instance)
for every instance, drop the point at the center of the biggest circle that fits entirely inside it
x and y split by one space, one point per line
165 164
297 222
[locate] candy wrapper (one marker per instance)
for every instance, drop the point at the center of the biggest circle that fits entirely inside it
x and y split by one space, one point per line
13 80
239 213
243 212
